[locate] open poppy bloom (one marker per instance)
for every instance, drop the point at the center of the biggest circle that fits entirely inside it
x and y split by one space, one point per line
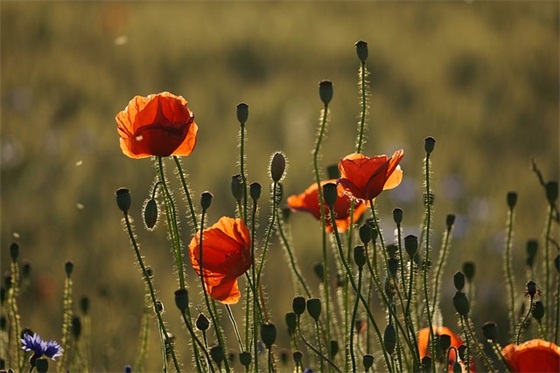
424 346
159 125
309 201
536 355
226 255
364 178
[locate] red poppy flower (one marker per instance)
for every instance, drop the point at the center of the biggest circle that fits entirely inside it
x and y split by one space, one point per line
364 178
424 349
309 201
226 255
536 355
159 125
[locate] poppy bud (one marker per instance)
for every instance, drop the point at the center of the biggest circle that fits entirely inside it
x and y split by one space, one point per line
245 358
277 166
551 189
531 249
557 263
397 216
123 199
242 113
76 327
255 191
365 233
538 310
511 199
411 245
360 256
217 354
367 360
390 338
444 341
297 355
268 334
449 221
326 91
298 305
392 250
333 348
393 265
237 187
531 288
462 349
330 194
25 269
426 363
42 365
319 270
202 323
314 308
14 251
150 214
291 322
333 172
182 299
457 367
459 281
461 303
206 200
362 51
69 267
429 144
84 305
490 331
469 270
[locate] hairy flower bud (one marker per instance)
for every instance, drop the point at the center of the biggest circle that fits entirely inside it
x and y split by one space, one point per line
326 91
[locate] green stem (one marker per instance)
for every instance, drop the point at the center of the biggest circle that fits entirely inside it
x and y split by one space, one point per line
547 263
319 354
509 272
164 335
352 323
482 355
187 193
524 321
235 328
363 91
442 258
242 169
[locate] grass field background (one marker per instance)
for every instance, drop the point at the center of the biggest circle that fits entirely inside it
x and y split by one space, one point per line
482 78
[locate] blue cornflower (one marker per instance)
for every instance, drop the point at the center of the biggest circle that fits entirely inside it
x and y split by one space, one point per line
50 349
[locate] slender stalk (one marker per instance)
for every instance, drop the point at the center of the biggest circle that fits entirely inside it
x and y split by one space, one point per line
522 324
352 323
242 169
235 328
442 259
186 191
163 332
508 267
547 264
363 73
315 350
481 354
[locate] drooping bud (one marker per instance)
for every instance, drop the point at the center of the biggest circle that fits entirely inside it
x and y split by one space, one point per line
397 216
538 311
151 214
291 322
123 199
217 354
362 50
314 308
297 355
444 341
469 270
365 233
390 338
298 305
206 200
511 199
330 194
202 323
429 144
277 166
255 191
14 251
411 245
237 187
326 91
531 288
551 189
461 303
531 249
242 113
459 281
360 256
367 361
182 299
268 334
449 221
490 331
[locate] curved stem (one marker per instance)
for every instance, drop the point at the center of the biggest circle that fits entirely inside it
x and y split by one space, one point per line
187 193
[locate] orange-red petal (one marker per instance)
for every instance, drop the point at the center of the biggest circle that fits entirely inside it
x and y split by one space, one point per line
536 355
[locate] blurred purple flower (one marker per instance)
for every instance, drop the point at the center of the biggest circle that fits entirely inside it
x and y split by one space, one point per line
50 349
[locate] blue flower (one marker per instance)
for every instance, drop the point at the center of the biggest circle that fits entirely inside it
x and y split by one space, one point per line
50 349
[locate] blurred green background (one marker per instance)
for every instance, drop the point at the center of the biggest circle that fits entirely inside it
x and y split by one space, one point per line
482 78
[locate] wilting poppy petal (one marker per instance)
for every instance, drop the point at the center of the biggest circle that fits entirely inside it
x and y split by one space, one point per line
226 255
160 125
364 178
536 355
424 349
308 201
